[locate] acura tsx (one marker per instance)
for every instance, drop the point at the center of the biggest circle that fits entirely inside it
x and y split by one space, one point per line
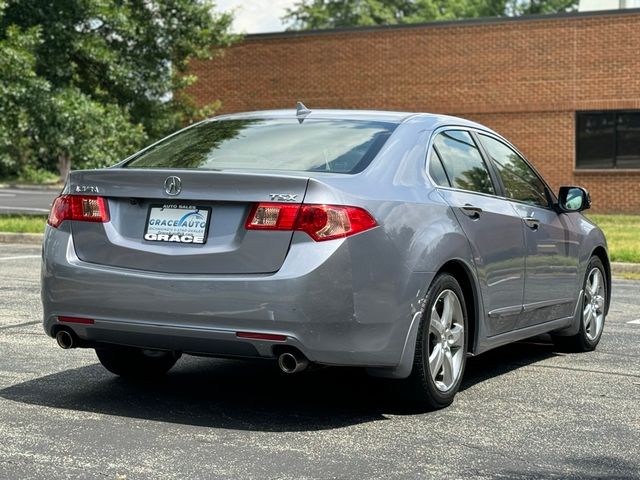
398 242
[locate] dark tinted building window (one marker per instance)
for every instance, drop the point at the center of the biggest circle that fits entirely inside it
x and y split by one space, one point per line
520 181
608 140
628 140
462 161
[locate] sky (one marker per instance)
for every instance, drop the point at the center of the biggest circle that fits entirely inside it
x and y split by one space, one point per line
256 16
586 5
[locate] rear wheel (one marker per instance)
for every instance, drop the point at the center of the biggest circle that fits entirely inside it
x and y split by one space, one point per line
136 362
441 345
594 307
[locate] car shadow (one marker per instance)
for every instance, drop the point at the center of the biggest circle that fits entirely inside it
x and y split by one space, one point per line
244 395
507 358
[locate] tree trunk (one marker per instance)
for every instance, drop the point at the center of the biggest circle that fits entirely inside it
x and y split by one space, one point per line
64 166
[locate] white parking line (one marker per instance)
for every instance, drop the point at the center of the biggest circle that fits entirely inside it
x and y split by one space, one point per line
30 209
28 192
19 257
7 194
635 322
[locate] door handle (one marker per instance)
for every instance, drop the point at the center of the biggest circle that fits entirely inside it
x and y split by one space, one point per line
471 211
532 223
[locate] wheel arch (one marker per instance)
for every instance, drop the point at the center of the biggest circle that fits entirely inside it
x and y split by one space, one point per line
464 275
601 253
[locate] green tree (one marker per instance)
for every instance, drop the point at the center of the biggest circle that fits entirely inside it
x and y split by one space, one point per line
115 72
317 14
22 94
86 132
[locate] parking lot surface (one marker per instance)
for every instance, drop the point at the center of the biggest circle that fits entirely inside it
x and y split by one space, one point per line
525 411
25 201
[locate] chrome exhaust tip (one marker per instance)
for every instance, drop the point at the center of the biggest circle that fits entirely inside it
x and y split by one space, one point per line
65 340
290 362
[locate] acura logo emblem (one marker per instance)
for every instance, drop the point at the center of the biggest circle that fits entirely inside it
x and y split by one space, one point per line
173 185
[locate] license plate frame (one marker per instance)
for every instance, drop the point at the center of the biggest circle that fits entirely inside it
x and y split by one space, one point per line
174 212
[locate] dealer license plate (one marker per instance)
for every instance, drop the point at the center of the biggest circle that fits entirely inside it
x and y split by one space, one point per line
178 224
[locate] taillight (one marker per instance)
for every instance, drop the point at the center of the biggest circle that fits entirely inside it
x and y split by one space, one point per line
320 222
325 222
78 207
273 216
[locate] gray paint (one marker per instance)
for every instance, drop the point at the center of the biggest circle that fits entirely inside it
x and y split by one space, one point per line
354 301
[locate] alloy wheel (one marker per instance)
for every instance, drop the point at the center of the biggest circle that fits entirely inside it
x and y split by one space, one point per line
446 340
594 304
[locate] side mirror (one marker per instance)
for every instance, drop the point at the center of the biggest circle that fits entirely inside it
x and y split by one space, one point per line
573 199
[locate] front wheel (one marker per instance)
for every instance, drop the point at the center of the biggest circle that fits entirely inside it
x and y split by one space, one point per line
441 345
136 362
594 307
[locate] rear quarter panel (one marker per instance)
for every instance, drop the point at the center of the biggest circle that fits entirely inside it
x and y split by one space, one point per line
418 234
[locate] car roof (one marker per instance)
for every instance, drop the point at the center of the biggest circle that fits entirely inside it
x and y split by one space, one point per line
429 120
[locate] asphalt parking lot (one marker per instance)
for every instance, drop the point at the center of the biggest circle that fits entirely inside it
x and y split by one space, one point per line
27 201
525 411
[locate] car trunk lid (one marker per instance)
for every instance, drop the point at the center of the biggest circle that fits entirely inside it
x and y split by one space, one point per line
214 204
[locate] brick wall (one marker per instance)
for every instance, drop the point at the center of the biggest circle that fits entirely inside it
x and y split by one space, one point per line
525 78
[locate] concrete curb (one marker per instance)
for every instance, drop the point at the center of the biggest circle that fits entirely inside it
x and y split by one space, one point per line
21 238
617 268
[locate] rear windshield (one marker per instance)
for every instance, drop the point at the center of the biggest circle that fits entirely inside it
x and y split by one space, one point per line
340 146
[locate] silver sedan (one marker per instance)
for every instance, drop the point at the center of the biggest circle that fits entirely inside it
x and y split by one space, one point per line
398 242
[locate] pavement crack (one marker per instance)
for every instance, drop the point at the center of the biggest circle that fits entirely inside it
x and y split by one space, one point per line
16 325
587 370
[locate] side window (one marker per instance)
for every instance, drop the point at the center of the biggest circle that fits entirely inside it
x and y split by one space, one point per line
462 161
520 181
436 170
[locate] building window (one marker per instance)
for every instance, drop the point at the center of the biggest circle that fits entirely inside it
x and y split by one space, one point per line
608 140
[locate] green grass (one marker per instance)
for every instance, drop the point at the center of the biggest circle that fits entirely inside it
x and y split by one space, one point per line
622 231
623 236
630 276
22 223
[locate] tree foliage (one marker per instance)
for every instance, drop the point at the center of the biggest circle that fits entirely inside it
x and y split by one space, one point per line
318 14
22 93
90 81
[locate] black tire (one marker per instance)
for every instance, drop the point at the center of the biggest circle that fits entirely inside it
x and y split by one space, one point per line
136 362
425 390
584 341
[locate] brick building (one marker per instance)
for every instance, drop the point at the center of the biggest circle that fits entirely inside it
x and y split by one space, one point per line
565 89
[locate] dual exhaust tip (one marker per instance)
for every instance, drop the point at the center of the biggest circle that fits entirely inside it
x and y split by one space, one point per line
289 362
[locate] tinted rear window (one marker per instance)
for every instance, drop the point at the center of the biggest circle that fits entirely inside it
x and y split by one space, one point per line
340 146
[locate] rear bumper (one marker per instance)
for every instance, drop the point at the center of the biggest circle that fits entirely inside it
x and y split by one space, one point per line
334 304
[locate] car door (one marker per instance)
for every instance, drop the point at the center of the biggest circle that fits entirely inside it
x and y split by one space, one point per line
493 228
551 270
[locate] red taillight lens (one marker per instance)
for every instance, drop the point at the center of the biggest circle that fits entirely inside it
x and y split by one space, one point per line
272 216
326 222
321 222
78 207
